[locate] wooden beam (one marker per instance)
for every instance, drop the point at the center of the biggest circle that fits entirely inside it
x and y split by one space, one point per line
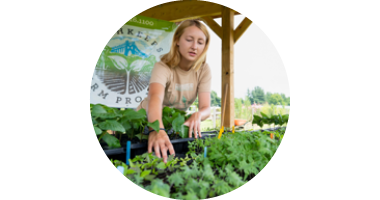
228 64
181 10
213 25
220 15
241 28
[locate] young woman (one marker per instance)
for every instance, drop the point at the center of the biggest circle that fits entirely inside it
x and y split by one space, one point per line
176 81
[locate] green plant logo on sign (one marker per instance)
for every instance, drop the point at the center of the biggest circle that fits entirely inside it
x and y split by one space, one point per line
122 73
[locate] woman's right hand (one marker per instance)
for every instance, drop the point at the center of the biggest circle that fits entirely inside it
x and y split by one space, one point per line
160 142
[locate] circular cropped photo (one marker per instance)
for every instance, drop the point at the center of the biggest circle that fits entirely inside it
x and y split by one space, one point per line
189 100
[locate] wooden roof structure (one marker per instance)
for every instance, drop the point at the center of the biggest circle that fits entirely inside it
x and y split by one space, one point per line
178 11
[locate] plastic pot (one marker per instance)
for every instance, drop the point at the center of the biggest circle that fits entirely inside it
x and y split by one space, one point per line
240 122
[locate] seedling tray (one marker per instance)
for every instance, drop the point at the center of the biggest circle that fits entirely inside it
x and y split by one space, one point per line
180 147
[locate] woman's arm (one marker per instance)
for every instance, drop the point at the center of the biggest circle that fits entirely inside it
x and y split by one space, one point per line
204 100
194 122
154 107
158 141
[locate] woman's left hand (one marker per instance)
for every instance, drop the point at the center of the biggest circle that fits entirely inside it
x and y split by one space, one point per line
194 124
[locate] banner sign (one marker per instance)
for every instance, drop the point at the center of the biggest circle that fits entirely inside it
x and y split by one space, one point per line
122 73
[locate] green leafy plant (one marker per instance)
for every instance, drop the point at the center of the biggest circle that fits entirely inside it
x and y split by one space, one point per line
120 122
258 121
173 119
104 119
231 162
278 119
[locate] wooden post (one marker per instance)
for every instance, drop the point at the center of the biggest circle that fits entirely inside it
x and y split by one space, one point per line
214 117
228 64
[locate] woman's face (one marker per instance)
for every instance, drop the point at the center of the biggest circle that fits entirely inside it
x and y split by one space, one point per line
191 43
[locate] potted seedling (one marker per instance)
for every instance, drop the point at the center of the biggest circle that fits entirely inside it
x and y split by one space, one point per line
266 119
130 125
105 119
275 120
258 121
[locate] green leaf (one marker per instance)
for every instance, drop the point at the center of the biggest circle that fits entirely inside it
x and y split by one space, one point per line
98 131
94 121
131 114
190 196
234 179
285 118
167 120
98 109
142 136
150 177
181 112
144 173
111 125
178 123
124 121
142 112
175 115
203 193
247 168
185 132
108 115
176 179
187 172
221 187
125 168
136 124
138 158
208 174
161 165
137 179
167 111
160 188
170 158
275 119
263 115
261 124
155 125
191 185
280 120
256 119
130 171
266 119
111 140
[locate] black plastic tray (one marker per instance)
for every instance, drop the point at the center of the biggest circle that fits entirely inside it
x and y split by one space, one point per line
180 147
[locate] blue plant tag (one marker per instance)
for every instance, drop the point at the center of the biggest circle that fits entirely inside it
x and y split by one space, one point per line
121 169
128 154
205 154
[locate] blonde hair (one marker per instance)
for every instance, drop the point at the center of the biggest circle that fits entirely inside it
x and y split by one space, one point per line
173 58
